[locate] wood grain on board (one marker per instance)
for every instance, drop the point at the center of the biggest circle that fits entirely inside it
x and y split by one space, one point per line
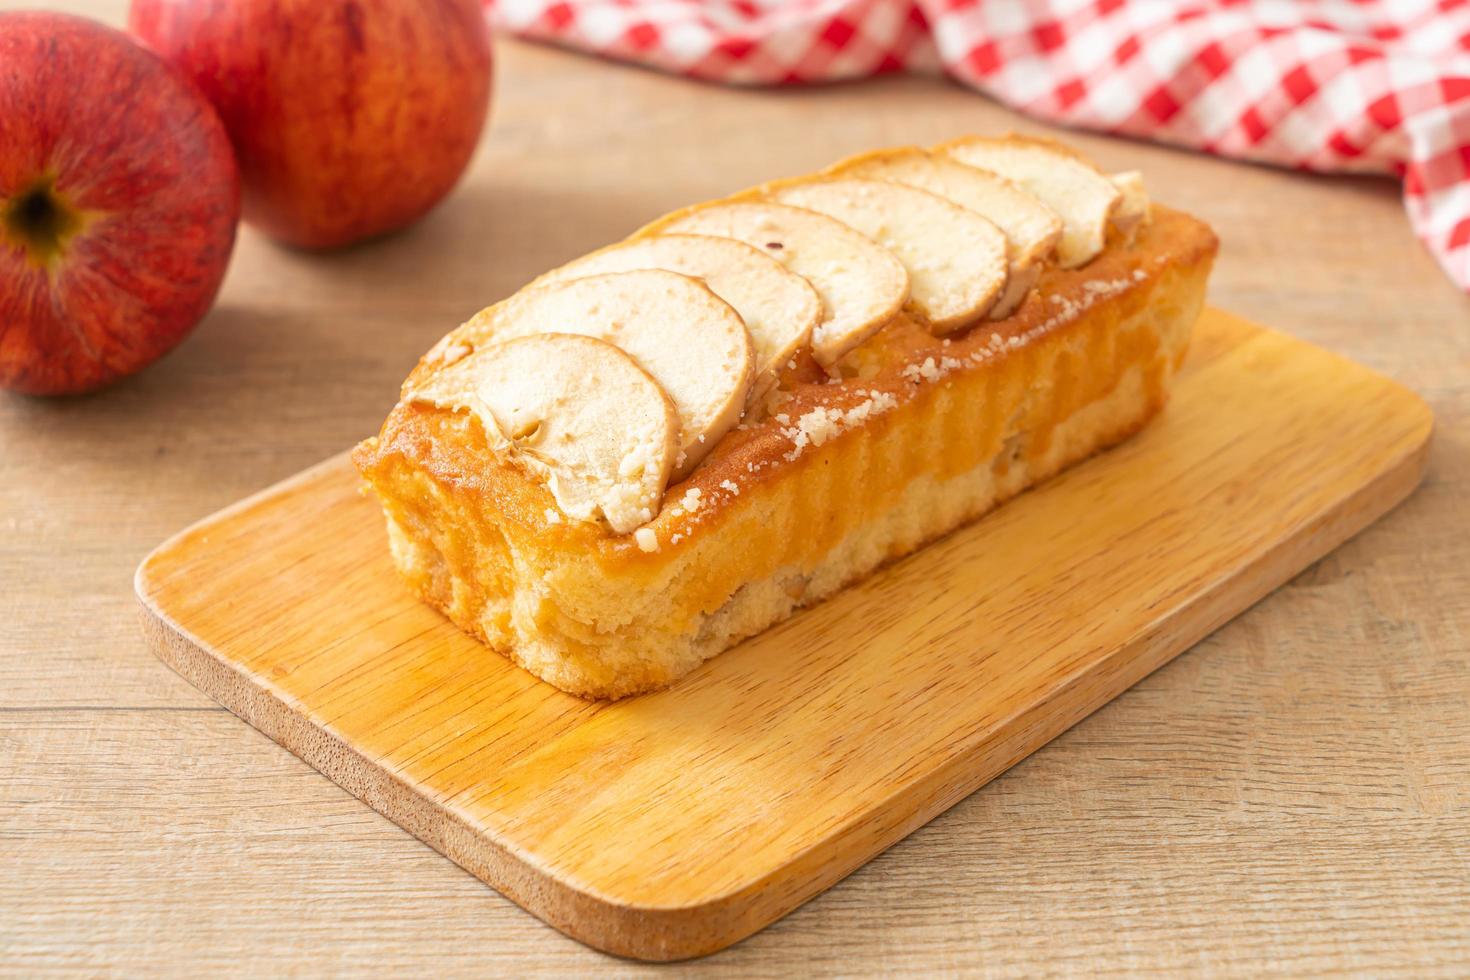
673 824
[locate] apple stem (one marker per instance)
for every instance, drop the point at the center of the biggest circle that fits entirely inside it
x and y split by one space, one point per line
40 220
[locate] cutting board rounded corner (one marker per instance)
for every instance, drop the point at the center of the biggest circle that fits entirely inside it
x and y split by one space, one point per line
621 928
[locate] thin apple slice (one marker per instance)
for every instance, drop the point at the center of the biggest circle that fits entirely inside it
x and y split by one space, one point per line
1064 181
862 286
689 339
1133 209
1031 228
956 259
577 410
779 308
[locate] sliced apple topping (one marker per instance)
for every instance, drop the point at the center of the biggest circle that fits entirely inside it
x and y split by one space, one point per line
862 286
1133 209
689 339
780 309
575 409
1065 182
1031 228
956 259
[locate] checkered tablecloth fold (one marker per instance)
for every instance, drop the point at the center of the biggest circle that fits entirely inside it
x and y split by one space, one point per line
1357 86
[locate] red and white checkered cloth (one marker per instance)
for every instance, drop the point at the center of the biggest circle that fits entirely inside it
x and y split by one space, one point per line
1361 86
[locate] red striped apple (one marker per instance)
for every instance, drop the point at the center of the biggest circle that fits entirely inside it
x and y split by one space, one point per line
119 197
350 118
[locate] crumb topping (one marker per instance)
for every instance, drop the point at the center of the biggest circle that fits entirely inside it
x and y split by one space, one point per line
822 424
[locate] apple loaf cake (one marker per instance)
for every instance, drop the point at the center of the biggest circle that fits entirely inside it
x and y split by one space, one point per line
674 442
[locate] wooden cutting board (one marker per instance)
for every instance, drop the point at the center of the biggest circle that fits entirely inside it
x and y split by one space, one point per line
674 824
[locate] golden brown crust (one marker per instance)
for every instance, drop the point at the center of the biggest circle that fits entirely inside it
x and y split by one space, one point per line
1083 362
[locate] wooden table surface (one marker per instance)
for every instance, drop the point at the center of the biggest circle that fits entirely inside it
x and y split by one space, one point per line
1292 795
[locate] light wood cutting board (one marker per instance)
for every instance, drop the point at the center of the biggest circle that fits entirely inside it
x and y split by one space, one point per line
674 824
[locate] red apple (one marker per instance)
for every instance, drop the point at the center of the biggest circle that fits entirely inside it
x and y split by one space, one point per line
350 118
119 197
